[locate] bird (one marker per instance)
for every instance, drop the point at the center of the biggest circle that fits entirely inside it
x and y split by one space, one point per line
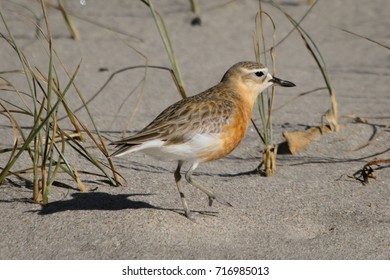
203 127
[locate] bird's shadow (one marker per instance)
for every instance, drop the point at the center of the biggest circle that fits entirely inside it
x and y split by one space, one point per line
106 202
96 201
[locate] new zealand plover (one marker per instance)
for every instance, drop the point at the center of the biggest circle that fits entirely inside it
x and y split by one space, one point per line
203 127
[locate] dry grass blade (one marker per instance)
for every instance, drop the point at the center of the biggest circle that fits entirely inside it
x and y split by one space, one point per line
265 111
376 133
78 180
316 54
8 85
58 163
140 84
139 88
82 151
195 6
368 39
73 30
257 48
371 140
121 71
15 132
257 130
298 23
265 100
163 31
8 71
11 41
299 96
40 77
363 119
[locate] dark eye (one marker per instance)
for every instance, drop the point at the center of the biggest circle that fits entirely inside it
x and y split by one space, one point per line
259 74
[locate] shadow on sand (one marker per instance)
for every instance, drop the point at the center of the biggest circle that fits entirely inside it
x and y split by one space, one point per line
106 202
96 201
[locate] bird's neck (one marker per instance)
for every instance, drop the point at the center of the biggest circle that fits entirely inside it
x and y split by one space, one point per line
243 92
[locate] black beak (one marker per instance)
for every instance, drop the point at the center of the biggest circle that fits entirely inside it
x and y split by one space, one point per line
282 83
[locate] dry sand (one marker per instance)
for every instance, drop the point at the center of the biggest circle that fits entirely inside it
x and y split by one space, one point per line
309 210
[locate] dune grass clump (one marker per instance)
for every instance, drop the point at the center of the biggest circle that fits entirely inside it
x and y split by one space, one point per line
46 142
266 99
296 141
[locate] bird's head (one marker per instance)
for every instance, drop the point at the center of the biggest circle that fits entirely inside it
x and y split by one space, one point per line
252 78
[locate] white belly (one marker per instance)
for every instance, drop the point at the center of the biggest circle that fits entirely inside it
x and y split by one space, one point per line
199 144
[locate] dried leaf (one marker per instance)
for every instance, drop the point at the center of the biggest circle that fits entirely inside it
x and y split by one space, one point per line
297 140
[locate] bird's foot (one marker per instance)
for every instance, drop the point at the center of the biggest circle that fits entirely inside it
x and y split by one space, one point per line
219 199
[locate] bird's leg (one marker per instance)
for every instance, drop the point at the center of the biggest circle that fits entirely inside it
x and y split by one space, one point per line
209 193
179 188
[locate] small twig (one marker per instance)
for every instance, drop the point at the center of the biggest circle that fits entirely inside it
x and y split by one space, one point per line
367 171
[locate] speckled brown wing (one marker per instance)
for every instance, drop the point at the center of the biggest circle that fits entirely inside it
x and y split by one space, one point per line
202 117
177 123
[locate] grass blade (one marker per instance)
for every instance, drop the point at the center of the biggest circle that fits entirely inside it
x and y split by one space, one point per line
163 31
316 54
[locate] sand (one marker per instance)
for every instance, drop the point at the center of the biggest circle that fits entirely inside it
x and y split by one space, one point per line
310 209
